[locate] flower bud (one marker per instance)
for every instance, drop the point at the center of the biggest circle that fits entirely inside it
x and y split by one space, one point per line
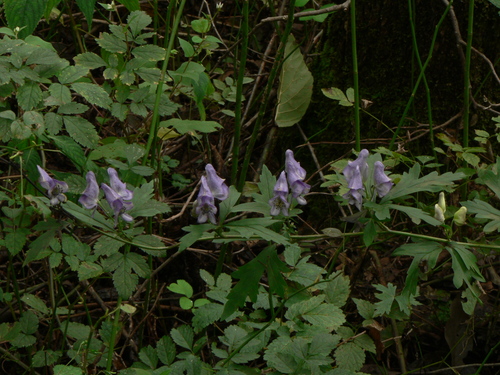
438 213
460 216
442 202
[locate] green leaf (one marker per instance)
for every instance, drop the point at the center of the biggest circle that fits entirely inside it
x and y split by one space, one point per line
29 95
295 90
45 358
15 241
165 349
131 5
28 322
148 356
149 52
150 244
87 8
121 266
67 370
337 290
183 336
492 177
53 122
415 214
76 330
138 21
181 287
410 183
24 13
111 43
369 232
349 356
71 150
187 48
89 60
81 130
42 56
484 210
36 303
337 94
188 126
195 232
93 93
386 296
89 271
201 25
73 73
206 315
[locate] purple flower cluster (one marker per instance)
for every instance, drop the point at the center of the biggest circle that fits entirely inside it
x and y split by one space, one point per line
118 196
357 171
212 187
295 175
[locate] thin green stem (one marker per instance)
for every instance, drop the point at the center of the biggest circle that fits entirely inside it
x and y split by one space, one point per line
411 8
467 88
270 83
159 90
420 77
355 77
239 92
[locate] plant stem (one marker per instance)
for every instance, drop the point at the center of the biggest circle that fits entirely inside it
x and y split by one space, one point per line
355 76
159 89
270 84
420 76
468 48
239 92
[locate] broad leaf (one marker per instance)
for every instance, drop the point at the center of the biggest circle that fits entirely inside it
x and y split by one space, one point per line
295 90
24 13
81 131
87 8
94 94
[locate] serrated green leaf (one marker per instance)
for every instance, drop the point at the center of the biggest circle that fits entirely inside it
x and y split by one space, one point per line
24 13
149 356
295 90
206 315
45 358
53 122
59 95
71 74
29 95
338 289
386 296
81 130
138 21
484 210
111 43
71 150
89 60
67 370
150 244
410 183
15 241
89 270
349 356
187 126
93 93
76 330
149 52
131 5
194 233
36 303
87 8
165 349
183 336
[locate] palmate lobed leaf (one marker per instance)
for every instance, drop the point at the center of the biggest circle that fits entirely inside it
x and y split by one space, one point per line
410 183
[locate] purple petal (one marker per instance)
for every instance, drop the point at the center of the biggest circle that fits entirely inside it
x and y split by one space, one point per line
293 169
360 162
279 204
45 180
204 207
90 196
383 184
119 186
281 185
216 184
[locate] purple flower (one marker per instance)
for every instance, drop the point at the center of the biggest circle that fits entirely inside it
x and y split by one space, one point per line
216 184
55 188
361 163
356 189
296 175
279 203
90 196
118 204
383 184
118 186
204 208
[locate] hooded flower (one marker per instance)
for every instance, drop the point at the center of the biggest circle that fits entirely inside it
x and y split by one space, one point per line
118 186
460 216
55 188
204 208
383 184
438 213
278 202
90 196
118 204
296 175
356 189
216 184
361 163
